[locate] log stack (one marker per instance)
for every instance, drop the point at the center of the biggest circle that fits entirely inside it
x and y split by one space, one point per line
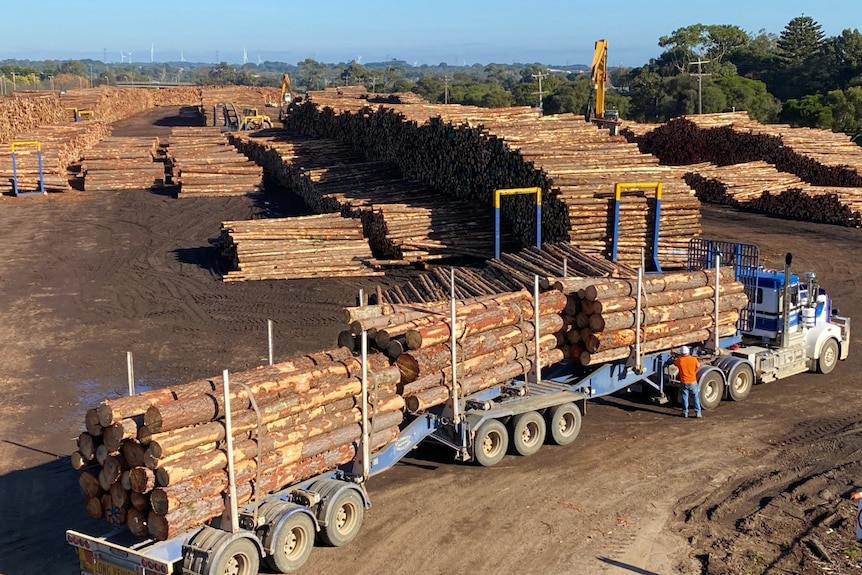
123 163
677 310
816 175
241 96
203 163
470 152
405 221
157 462
327 245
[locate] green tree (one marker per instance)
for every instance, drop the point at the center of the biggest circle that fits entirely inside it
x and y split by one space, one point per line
801 37
75 67
812 111
311 74
749 95
846 106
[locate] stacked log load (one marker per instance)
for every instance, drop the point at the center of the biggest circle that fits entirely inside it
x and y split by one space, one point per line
816 175
123 163
240 96
157 462
470 152
203 163
677 310
61 146
405 221
327 245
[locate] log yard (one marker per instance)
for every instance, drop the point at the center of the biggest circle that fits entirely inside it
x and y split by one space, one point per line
382 335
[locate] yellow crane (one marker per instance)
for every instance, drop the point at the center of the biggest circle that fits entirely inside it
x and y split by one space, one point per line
596 111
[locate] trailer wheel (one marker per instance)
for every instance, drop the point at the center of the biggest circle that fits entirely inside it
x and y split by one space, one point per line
740 380
527 433
711 389
344 520
564 423
828 356
239 557
292 543
267 125
492 440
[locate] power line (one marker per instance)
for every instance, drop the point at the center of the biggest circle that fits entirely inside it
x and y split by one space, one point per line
700 74
540 76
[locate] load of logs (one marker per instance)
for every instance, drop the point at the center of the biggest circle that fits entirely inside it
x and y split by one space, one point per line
802 173
404 221
123 163
326 245
677 309
157 462
469 152
203 163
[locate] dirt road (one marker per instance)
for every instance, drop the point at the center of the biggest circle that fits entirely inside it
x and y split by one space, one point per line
758 486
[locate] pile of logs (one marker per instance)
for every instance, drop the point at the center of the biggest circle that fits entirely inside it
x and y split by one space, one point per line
61 146
470 152
511 272
601 315
802 173
326 245
404 221
203 163
21 113
123 163
157 462
241 96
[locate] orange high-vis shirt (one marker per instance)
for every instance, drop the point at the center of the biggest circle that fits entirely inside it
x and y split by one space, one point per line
687 365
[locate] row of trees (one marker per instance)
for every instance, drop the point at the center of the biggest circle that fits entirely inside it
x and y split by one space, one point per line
798 76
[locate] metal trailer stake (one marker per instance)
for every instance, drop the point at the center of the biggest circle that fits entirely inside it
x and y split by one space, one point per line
269 338
130 370
538 361
231 477
456 412
565 267
713 341
366 436
638 326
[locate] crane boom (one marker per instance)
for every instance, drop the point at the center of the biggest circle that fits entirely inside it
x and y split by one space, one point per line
600 75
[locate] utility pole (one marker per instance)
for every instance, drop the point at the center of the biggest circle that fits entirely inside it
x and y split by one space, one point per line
445 89
699 77
540 76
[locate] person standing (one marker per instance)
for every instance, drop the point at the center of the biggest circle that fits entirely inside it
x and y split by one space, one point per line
687 365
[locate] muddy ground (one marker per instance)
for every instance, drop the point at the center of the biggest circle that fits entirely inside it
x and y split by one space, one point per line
759 486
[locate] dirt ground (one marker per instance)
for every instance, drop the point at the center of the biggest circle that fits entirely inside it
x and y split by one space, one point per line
758 486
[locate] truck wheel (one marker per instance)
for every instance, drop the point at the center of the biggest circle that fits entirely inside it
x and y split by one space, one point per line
740 380
344 520
528 433
492 440
239 557
267 125
711 389
564 423
828 356
292 542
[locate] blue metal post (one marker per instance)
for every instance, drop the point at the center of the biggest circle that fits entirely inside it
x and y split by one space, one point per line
615 239
655 228
539 221
41 174
497 227
14 175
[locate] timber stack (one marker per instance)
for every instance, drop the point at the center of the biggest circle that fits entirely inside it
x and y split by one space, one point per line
677 309
509 272
211 97
61 146
123 163
203 163
470 152
157 462
827 165
405 221
326 245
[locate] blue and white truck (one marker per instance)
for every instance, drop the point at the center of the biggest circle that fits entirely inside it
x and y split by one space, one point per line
789 327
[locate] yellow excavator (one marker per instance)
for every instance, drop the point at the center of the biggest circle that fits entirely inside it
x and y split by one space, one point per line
287 96
596 112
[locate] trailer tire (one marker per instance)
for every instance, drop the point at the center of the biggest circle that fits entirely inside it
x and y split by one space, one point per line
239 557
740 380
828 356
527 433
292 542
344 519
491 443
711 389
564 423
267 125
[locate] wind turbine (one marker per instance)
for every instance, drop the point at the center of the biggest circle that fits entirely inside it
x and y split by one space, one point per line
152 48
130 57
359 59
182 58
244 56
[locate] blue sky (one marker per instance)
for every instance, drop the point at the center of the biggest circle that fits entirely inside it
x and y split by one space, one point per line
426 32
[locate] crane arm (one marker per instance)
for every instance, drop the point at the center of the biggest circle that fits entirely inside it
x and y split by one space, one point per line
600 75
286 89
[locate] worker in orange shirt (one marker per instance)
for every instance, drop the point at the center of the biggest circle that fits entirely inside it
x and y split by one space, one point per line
687 365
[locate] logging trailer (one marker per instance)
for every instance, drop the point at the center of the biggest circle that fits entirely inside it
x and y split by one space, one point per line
789 327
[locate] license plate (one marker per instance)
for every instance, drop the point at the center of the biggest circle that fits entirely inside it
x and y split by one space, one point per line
102 568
